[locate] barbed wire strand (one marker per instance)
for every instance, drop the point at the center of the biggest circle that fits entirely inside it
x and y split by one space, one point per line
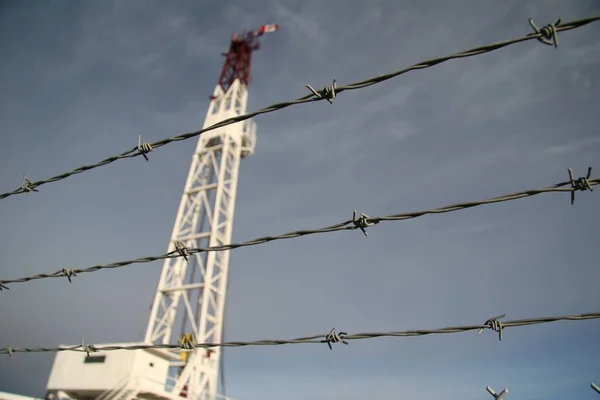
546 35
330 338
362 222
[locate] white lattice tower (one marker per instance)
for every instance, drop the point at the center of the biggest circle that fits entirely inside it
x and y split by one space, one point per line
192 295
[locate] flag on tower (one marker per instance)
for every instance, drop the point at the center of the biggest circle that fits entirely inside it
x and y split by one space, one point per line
268 28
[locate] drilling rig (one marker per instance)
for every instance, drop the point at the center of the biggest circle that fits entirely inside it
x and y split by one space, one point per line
189 303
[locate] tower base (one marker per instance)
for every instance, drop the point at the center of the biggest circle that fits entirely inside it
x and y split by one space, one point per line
115 375
110 375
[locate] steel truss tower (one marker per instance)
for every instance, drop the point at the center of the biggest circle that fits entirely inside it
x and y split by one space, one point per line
190 297
191 294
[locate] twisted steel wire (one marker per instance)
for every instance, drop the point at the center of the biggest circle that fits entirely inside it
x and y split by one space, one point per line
330 338
583 183
543 35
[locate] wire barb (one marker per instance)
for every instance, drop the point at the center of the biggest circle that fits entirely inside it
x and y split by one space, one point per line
582 183
499 396
9 350
88 348
362 222
328 92
27 186
3 287
68 273
187 344
143 148
182 250
595 387
494 325
548 34
333 337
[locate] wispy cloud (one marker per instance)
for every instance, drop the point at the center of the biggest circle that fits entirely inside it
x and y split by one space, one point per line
577 146
300 23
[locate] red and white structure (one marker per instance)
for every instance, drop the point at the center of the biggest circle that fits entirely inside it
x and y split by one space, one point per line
190 297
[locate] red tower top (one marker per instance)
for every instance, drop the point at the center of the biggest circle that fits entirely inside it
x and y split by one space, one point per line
239 57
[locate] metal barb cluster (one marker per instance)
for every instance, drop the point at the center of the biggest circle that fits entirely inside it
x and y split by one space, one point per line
143 148
543 35
334 337
27 186
328 93
494 325
182 250
187 344
68 273
499 396
581 183
548 34
88 348
331 337
361 222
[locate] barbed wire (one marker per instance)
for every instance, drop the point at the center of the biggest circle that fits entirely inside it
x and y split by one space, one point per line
546 35
330 338
361 222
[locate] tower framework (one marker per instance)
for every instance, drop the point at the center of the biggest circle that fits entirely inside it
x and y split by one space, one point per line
204 219
190 298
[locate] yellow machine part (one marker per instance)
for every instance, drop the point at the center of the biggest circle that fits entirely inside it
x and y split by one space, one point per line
186 337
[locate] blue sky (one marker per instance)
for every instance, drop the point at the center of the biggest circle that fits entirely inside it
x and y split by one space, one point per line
79 80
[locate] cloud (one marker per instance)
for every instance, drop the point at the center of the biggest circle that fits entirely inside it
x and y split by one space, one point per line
300 23
572 147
